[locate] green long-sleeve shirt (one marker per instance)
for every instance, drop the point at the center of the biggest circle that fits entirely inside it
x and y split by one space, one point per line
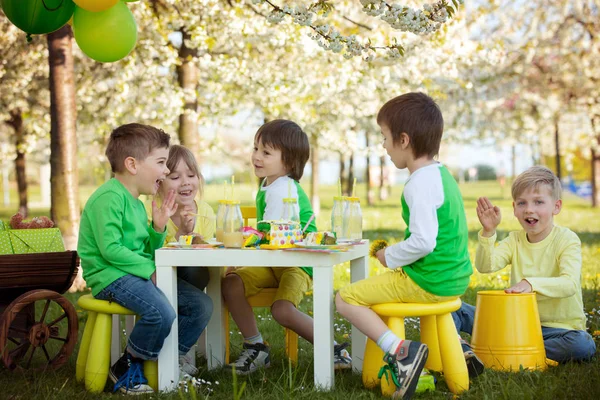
114 237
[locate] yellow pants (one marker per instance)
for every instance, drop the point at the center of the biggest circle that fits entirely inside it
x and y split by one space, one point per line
391 287
291 283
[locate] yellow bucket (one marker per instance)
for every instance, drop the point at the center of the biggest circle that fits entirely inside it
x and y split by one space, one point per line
507 333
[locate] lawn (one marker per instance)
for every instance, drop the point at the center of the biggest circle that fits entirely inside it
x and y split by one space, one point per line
576 381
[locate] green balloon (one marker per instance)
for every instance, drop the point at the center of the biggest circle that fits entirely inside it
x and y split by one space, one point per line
38 16
105 36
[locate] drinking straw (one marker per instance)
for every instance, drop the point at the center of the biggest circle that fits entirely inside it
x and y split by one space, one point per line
353 187
339 187
225 189
289 188
308 223
232 187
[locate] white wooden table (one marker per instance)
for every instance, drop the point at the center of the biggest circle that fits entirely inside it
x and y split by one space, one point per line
322 263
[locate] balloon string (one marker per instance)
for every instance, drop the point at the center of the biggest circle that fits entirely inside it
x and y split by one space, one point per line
52 9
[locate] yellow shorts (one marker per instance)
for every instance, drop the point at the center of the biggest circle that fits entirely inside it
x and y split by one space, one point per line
291 283
391 287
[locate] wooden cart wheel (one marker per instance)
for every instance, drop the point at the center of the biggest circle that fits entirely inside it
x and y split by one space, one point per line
51 326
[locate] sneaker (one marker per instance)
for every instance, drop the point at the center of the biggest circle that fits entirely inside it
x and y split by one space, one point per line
341 357
128 376
405 367
474 364
185 365
253 357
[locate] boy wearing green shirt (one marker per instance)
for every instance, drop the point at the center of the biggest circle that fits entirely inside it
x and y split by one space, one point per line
116 246
432 263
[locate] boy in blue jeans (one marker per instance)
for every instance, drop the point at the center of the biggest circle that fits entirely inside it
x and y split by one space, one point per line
116 246
545 259
432 263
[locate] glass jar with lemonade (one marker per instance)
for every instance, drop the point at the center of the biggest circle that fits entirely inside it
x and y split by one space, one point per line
233 223
220 220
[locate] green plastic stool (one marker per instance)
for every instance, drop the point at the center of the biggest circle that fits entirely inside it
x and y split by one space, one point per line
93 361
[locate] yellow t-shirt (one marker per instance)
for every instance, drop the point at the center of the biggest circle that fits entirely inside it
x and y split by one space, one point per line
205 221
552 267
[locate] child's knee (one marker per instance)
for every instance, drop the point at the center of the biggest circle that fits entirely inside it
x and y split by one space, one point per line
231 284
281 311
583 346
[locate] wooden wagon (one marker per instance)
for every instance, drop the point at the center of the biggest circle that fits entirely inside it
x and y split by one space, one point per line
44 336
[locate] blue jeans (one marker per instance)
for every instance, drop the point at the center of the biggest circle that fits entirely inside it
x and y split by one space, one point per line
156 315
561 345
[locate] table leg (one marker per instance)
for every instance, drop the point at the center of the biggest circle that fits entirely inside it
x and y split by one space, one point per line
359 270
215 331
323 327
168 360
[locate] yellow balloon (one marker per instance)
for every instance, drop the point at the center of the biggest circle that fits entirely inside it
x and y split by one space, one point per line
96 5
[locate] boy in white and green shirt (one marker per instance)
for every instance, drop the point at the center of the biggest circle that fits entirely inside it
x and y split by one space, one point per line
432 263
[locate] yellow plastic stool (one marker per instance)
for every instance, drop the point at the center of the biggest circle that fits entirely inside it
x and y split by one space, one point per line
437 331
507 333
93 360
264 299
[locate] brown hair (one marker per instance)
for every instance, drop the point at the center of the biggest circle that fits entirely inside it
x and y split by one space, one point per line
133 140
288 137
179 153
417 115
535 177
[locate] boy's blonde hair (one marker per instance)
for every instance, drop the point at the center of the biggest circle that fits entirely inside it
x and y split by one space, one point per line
133 140
535 177
179 153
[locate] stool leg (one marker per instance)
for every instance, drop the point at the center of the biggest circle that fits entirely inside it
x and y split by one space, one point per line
396 325
372 362
98 362
151 373
115 344
226 322
84 348
429 336
453 360
291 345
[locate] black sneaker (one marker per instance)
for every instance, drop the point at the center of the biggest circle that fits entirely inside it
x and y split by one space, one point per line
254 356
405 367
128 376
341 357
474 364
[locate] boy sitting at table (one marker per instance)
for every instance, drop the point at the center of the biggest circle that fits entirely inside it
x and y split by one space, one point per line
116 246
281 150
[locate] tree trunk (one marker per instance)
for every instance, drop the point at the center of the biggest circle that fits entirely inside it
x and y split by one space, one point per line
314 179
383 191
342 180
350 180
63 139
557 148
595 164
16 121
370 191
187 75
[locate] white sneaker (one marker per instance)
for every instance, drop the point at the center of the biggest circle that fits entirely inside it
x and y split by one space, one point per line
341 357
253 357
186 366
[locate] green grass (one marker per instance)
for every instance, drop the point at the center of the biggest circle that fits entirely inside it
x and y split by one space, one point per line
573 381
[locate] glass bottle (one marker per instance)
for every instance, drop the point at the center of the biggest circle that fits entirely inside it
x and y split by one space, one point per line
220 220
354 219
290 210
233 223
337 217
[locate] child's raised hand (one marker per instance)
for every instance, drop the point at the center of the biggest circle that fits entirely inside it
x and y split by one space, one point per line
188 220
521 287
489 215
161 215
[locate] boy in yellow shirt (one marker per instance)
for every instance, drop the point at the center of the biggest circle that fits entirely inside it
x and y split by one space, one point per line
546 259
